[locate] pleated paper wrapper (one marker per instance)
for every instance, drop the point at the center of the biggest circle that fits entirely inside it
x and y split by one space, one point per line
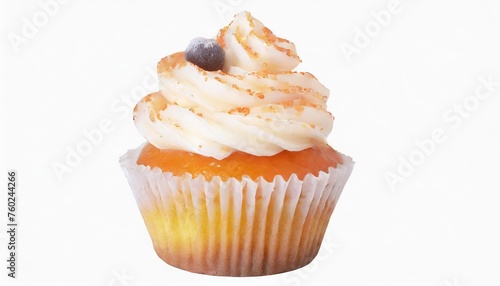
235 227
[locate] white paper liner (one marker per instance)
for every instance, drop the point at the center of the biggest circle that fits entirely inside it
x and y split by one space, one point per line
237 227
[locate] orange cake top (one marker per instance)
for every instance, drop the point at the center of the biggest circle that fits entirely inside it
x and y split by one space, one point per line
239 164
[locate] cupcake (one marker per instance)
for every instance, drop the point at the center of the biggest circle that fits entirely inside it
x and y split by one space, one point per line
236 177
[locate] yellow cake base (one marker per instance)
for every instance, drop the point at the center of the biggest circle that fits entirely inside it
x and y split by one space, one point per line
236 227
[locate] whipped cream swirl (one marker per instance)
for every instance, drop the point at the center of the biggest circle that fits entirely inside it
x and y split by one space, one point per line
256 104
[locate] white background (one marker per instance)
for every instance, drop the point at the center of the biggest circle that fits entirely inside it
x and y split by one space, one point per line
438 225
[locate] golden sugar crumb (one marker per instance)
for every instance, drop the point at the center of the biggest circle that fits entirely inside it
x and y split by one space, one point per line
243 42
238 37
299 108
156 101
250 20
260 95
199 114
264 72
206 78
281 40
176 125
312 126
199 146
316 94
308 74
250 52
218 79
270 108
310 104
269 35
220 37
243 110
288 52
170 62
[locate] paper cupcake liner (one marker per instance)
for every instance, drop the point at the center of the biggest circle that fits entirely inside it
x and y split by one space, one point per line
235 227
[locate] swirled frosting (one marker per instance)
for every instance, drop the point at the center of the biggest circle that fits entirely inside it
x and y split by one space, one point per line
257 104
